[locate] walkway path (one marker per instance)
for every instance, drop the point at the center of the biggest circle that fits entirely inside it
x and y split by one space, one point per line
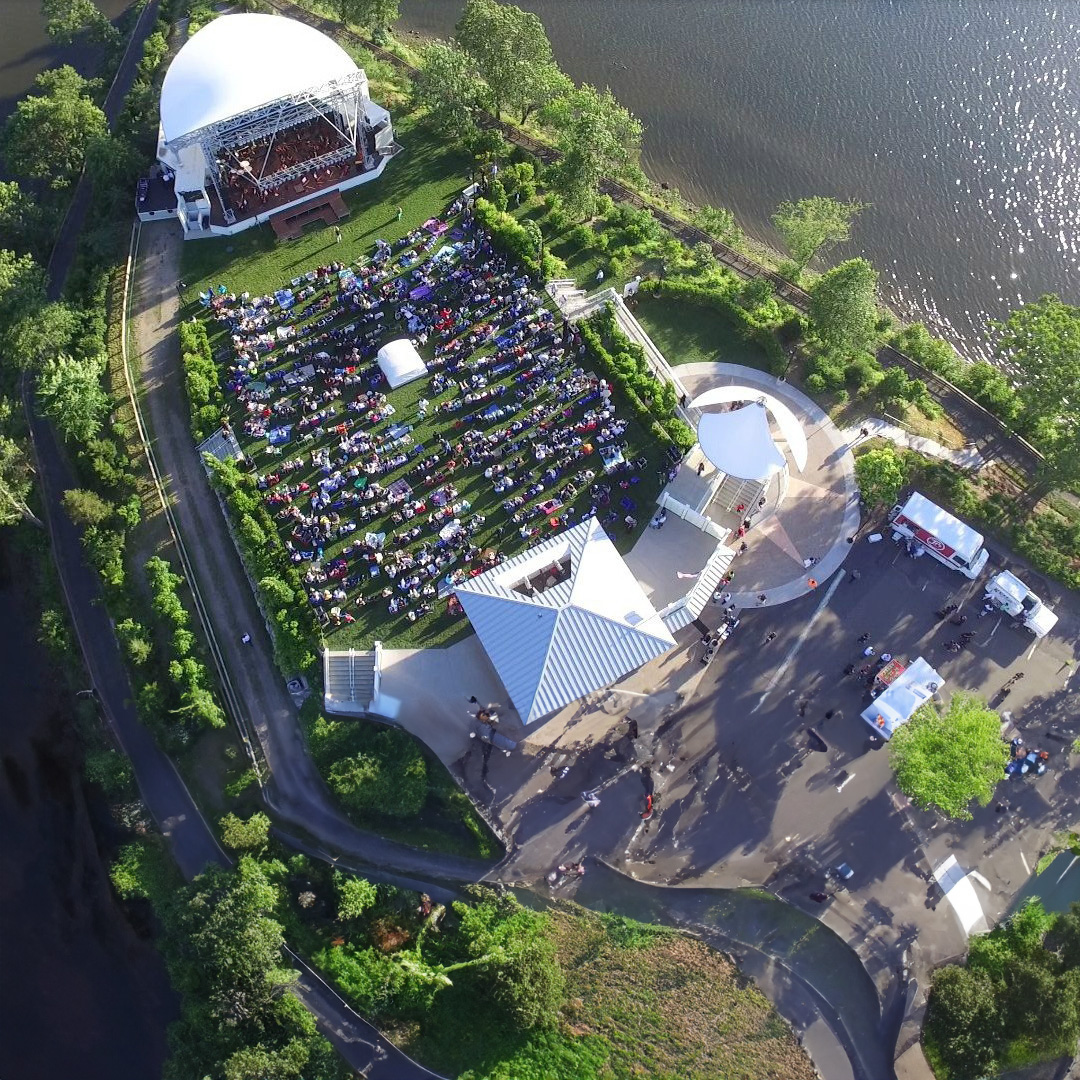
967 458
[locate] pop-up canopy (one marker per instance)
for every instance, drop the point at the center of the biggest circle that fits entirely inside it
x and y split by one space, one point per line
401 363
896 705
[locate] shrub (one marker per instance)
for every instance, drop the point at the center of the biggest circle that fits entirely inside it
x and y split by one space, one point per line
200 379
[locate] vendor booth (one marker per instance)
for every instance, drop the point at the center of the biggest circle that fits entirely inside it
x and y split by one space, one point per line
909 689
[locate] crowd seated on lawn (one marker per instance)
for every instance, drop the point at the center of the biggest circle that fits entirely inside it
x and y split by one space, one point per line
370 500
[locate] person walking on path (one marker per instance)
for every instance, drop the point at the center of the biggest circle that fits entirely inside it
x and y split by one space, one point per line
246 639
855 575
399 213
337 233
771 636
862 639
812 582
762 599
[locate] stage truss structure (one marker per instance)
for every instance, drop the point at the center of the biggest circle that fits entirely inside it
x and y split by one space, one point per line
340 102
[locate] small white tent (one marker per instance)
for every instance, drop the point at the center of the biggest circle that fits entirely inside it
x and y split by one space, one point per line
401 363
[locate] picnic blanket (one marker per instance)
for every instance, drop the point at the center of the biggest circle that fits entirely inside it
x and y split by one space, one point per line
399 488
421 292
435 226
285 298
277 436
611 456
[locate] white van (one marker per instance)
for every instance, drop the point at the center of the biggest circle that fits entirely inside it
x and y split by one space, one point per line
1009 594
940 534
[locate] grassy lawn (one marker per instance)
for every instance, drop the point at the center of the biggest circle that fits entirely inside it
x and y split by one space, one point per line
636 1001
422 180
692 334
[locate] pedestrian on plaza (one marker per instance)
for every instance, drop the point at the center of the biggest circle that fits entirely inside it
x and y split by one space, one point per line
886 657
632 728
864 433
868 651
701 469
818 897
830 713
592 800
762 599
850 669
862 639
246 639
770 637
855 575
812 582
473 701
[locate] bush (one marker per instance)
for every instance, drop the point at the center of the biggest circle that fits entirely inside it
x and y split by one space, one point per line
111 771
200 379
508 234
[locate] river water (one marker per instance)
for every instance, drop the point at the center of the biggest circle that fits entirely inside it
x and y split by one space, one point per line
957 121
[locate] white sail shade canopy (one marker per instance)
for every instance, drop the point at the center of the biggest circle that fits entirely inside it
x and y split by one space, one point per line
740 444
788 423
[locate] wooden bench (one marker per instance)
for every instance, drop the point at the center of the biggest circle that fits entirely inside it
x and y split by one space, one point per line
329 208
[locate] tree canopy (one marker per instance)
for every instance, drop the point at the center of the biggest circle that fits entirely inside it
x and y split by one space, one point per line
65 20
598 138
843 307
513 55
880 475
70 394
249 835
1040 342
719 222
944 760
355 895
48 133
379 15
449 88
812 226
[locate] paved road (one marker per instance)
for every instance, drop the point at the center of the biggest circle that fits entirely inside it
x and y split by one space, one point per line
168 799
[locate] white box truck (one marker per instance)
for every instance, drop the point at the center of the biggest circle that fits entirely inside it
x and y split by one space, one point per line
940 534
1009 594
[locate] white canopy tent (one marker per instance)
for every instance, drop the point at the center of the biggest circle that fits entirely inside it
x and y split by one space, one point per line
563 619
401 363
740 444
238 62
788 423
897 703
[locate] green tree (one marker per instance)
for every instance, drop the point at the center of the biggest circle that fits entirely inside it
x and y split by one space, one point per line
944 760
24 223
880 475
233 944
448 87
65 20
755 293
1064 937
843 308
1040 343
43 332
513 56
71 395
47 135
16 483
963 1022
811 226
389 778
525 977
377 15
241 835
86 507
598 138
720 223
355 895
135 639
22 294
260 1062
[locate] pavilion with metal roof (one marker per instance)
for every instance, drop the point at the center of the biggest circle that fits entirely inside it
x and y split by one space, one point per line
563 619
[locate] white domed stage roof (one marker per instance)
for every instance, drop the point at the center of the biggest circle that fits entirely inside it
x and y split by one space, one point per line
238 62
739 442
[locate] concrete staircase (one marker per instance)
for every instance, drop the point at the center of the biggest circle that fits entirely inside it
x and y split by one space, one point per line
351 680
